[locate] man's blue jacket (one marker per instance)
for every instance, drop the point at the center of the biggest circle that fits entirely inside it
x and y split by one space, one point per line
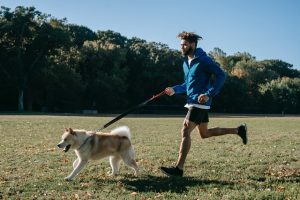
198 78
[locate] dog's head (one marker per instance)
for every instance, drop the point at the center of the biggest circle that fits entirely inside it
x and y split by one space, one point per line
68 139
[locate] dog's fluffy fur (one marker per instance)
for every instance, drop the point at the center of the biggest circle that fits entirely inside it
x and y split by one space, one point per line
90 145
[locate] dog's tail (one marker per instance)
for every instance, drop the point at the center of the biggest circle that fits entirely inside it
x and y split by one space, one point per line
122 131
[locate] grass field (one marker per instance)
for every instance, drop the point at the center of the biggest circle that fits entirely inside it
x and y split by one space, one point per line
216 168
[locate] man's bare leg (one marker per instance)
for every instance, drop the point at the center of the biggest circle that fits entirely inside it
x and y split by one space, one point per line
185 145
206 132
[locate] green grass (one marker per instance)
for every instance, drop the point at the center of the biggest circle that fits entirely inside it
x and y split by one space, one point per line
216 168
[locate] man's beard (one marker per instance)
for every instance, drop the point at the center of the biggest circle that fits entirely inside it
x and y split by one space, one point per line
188 51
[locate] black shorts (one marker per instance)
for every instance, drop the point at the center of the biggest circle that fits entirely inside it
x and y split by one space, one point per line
197 115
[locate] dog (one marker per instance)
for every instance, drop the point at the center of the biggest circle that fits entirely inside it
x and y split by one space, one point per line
89 145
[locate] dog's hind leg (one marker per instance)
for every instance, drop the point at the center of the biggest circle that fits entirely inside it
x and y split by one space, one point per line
128 158
115 164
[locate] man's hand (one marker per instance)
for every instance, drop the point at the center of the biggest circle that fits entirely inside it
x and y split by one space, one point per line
203 98
169 91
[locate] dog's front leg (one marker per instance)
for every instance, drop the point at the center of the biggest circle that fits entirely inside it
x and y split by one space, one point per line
75 163
75 171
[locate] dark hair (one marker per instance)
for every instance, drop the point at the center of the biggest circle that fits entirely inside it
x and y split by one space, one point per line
189 36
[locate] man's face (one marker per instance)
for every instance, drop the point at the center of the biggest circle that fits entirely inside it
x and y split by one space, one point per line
187 47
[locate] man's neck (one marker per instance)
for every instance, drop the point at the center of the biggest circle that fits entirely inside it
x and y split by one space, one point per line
191 55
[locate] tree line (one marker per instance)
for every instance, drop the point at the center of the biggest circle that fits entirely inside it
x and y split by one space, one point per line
47 64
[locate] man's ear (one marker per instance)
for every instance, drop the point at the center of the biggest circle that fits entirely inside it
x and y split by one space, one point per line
194 45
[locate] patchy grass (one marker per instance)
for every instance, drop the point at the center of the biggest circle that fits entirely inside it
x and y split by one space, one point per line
216 168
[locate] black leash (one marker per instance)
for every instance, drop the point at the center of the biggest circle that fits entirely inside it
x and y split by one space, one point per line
130 110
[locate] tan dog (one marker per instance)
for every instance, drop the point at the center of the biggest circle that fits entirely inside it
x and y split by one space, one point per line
90 145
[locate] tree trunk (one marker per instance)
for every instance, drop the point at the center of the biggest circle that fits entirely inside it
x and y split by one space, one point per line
21 101
21 72
23 84
29 100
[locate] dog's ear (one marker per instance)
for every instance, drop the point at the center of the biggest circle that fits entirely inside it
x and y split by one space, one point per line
71 131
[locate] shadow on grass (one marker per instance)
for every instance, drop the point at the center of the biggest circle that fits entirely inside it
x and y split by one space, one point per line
295 179
272 179
169 184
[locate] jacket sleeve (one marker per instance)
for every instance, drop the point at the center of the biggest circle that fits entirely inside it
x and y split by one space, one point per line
214 68
179 88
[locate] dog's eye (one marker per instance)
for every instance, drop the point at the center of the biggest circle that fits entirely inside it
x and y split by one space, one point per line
65 140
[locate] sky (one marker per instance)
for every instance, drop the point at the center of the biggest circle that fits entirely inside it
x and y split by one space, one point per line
267 29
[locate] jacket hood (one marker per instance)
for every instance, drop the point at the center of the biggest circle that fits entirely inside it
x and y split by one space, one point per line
199 53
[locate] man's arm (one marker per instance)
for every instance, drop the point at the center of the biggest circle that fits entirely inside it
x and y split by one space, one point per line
220 75
179 88
175 89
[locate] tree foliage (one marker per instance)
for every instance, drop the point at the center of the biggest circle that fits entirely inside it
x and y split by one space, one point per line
284 93
47 64
29 37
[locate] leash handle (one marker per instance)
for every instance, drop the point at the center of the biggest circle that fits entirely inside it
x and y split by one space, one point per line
158 95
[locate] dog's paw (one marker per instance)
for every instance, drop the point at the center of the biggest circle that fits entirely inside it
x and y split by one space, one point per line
136 172
111 174
68 179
